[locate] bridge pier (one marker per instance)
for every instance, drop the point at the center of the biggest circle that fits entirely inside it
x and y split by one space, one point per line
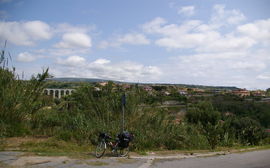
57 93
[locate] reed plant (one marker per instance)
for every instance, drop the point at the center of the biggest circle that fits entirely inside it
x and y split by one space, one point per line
19 99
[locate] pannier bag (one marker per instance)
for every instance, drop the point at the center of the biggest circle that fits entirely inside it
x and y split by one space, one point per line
124 139
104 135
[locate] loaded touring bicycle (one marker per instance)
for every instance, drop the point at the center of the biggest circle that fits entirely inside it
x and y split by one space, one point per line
120 146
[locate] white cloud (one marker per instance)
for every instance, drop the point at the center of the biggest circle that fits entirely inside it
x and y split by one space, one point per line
74 40
101 61
135 39
185 35
225 68
187 10
221 16
130 38
26 57
254 65
73 61
258 30
103 68
263 76
205 37
229 42
154 25
25 33
124 71
176 36
37 29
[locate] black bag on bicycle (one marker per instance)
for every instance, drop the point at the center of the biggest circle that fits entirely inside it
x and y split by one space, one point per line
124 139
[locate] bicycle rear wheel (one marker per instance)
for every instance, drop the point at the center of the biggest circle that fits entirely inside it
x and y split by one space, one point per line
100 149
123 152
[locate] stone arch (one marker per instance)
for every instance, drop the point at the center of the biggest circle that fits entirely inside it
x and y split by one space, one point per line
51 92
62 92
57 94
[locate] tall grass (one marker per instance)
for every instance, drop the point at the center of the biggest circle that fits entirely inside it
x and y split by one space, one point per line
19 99
81 116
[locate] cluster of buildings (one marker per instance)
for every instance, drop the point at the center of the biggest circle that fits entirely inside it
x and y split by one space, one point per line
210 92
245 93
167 90
186 91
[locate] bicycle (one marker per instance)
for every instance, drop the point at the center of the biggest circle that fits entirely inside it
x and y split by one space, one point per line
120 147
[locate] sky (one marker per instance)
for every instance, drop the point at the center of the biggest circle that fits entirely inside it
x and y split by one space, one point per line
205 42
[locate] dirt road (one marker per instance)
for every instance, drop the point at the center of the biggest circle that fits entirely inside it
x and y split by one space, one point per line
255 159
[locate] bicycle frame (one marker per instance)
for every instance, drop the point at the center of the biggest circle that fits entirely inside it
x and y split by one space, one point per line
104 141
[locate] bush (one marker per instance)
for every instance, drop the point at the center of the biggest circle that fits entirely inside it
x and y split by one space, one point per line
247 130
207 119
19 99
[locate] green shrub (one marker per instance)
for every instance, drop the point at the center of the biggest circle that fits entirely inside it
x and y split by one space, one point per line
19 99
247 130
207 119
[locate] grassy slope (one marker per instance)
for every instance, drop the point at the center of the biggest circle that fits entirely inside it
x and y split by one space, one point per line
53 147
47 147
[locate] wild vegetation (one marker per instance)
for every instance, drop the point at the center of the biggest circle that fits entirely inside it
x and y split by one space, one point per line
221 121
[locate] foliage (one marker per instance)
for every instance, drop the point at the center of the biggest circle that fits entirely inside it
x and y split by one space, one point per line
268 91
207 119
60 85
247 130
259 111
19 99
81 116
159 88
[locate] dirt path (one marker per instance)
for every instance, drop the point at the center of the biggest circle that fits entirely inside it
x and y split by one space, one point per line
255 159
20 159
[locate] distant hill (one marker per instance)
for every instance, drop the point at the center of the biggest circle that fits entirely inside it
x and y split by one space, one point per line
91 80
94 80
209 87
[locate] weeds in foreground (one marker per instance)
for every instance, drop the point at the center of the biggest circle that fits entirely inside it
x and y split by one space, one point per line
54 147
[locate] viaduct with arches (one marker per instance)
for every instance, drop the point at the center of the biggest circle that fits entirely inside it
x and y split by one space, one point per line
58 93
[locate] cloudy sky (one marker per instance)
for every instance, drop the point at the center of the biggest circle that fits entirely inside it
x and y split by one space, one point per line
207 42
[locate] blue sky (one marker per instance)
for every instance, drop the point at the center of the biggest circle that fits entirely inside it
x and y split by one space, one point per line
207 42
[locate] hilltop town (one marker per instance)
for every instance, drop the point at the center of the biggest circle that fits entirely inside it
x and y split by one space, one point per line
162 89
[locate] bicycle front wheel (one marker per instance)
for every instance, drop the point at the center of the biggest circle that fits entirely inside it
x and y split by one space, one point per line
100 149
123 152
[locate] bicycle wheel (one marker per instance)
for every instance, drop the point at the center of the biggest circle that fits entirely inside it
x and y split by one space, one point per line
123 152
100 149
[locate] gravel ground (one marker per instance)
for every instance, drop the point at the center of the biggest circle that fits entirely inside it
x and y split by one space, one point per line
255 159
17 159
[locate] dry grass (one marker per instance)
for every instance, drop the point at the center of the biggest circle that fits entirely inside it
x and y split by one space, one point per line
15 143
48 147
